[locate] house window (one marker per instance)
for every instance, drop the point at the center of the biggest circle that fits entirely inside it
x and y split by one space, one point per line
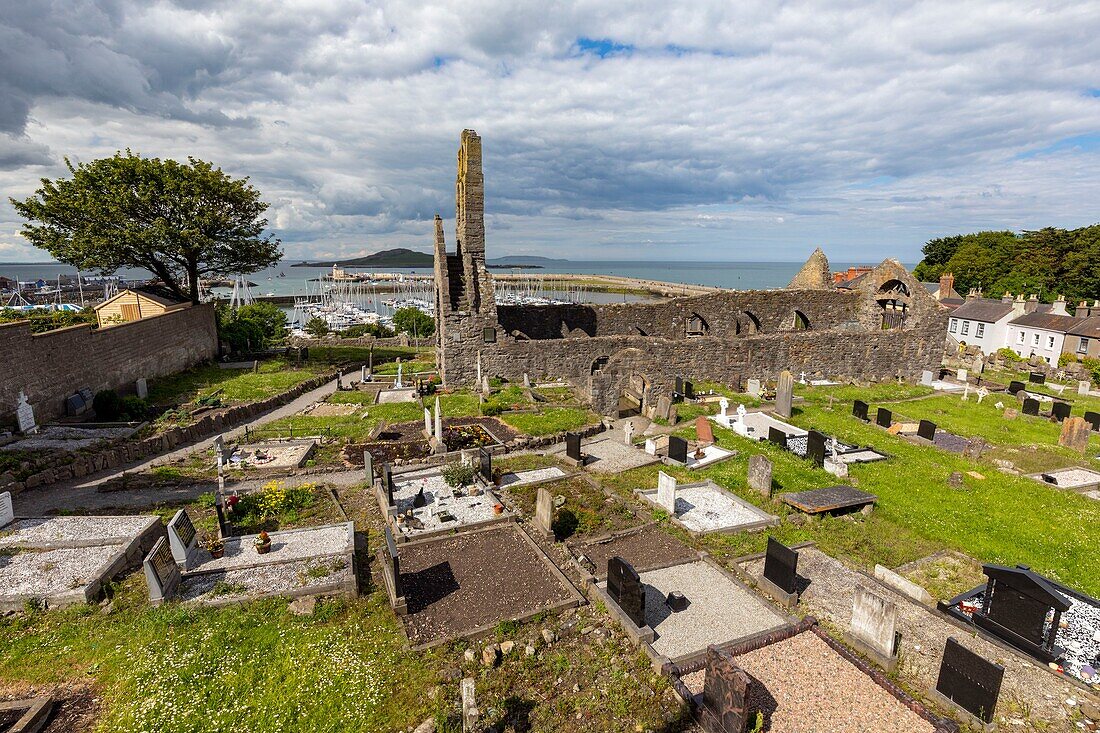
979 330
966 328
954 325
1050 342
1083 346
1035 340
1019 337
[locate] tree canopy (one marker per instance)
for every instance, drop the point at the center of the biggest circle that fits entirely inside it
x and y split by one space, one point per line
414 322
1047 262
180 221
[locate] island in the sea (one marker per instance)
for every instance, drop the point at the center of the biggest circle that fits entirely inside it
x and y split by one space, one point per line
404 257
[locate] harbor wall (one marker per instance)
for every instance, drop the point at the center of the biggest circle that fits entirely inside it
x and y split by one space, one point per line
48 367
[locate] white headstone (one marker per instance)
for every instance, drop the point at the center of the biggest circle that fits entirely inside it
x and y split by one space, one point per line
363 374
438 422
754 387
874 620
666 492
1083 387
741 412
982 394
142 388
427 421
479 368
628 432
926 378
526 379
966 392
399 384
7 513
963 375
725 405
470 714
24 415
802 378
339 380
651 446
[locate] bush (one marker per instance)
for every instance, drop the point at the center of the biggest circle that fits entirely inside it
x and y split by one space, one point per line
367 329
1093 367
251 327
275 499
317 327
414 322
134 408
1067 358
458 474
491 409
1009 355
107 405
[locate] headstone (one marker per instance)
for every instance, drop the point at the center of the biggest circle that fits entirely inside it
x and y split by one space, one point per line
368 467
1031 406
884 418
395 562
664 408
753 387
784 394
573 446
982 394
677 448
627 590
363 373
874 622
741 412
678 389
438 422
781 565
544 512
815 448
74 405
7 512
486 389
1015 386
182 538
963 375
162 575
689 390
469 706
479 368
24 415
427 421
1037 378
651 446
777 436
1093 419
859 410
969 681
400 382
1083 387
1010 413
485 464
142 388
666 492
703 431
339 380
526 380
387 483
1075 434
926 429
628 432
725 705
926 378
724 404
1060 411
760 474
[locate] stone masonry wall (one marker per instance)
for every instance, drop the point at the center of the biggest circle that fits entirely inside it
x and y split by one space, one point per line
50 366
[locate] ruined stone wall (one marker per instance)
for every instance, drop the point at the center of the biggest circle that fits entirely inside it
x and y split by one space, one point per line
51 366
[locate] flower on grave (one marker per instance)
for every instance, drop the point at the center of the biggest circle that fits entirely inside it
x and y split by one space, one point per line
232 501
263 538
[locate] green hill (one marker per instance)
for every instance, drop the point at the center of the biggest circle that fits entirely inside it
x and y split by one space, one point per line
400 257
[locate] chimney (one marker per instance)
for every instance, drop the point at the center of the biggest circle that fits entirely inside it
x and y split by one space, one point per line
1059 307
1007 297
1032 304
1082 310
1018 306
971 294
947 284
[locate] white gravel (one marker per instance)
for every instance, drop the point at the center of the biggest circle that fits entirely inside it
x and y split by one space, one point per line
612 455
1071 478
299 544
530 477
709 508
756 424
45 532
42 574
444 509
391 396
70 439
711 454
263 580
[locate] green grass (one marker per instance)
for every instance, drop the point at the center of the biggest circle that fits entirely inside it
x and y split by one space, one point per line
554 420
407 367
362 354
236 385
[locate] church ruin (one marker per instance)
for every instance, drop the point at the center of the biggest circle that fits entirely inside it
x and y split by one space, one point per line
624 357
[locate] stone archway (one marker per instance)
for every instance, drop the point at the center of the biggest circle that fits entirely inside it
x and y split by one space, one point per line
893 299
623 386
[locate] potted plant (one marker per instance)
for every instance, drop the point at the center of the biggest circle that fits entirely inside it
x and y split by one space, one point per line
216 547
263 543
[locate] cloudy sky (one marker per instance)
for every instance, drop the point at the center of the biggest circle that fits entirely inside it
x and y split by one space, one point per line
651 130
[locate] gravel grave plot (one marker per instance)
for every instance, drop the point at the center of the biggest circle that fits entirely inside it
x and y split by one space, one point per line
70 439
611 455
265 580
40 574
298 544
756 424
803 686
950 442
1070 478
532 476
719 610
1093 495
923 637
459 584
44 532
444 508
643 548
275 455
866 455
708 508
393 396
331 409
711 454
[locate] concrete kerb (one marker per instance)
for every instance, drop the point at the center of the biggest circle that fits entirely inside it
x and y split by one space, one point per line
588 578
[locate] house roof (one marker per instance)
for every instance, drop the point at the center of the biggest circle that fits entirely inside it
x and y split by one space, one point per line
156 293
854 282
986 310
1046 321
1089 327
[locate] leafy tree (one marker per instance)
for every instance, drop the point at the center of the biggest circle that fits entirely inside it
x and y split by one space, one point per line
317 327
366 329
255 326
180 221
414 322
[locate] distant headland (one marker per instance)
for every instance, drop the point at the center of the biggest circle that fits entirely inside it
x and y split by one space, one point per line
403 257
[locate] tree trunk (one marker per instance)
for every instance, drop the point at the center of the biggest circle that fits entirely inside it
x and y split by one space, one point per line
193 281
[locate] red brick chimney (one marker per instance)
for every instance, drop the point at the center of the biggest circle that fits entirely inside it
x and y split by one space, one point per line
947 284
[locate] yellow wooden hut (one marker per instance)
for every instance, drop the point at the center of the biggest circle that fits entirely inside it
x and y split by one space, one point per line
137 303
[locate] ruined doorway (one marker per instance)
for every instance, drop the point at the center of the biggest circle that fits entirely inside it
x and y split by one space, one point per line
632 400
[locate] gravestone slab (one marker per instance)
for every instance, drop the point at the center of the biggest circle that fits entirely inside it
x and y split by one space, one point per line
1037 378
24 415
1031 407
874 622
781 565
141 387
427 421
182 538
1015 386
470 713
689 390
485 464
666 492
1018 613
784 394
926 429
725 706
162 575
969 681
926 378
777 436
650 446
1060 411
544 512
677 449
753 387
859 410
368 467
828 499
703 431
962 375
678 390
1093 419
815 447
626 589
573 447
884 418
74 405
7 512
664 408
760 474
1083 387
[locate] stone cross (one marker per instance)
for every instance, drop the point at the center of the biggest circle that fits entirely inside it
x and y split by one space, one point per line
724 404
438 422
142 388
628 432
666 492
469 706
741 412
24 415
544 511
784 394
7 513
982 394
802 378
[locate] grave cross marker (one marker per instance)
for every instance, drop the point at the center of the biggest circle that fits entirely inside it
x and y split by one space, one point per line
24 415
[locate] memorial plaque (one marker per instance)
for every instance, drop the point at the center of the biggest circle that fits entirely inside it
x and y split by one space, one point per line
1060 411
182 538
969 681
1015 386
859 410
161 573
815 448
573 446
627 590
485 464
1037 378
777 436
725 694
677 448
926 378
884 418
828 499
1031 406
780 566
395 563
7 512
927 430
1093 419
753 387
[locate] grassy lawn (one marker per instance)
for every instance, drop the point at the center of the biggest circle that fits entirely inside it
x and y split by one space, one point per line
236 385
586 510
362 354
407 367
553 420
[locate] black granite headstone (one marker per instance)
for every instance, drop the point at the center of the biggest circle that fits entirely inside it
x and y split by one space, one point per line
486 464
926 429
626 589
1019 613
1014 387
815 448
689 390
387 483
1031 406
859 409
678 391
677 449
395 563
969 681
1037 378
780 566
777 436
884 418
1093 418
573 446
1060 411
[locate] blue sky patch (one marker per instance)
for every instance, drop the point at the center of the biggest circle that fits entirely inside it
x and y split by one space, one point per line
603 47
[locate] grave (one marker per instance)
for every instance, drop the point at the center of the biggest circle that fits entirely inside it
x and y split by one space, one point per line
829 499
780 578
760 474
534 476
926 430
485 465
274 455
723 706
1075 435
29 715
425 505
815 448
1037 378
760 426
705 507
573 449
1031 406
7 513
873 628
784 394
707 455
647 547
1015 386
677 449
926 378
24 415
1093 419
183 540
162 575
1076 478
703 431
391 574
859 410
1060 410
605 454
624 587
777 436
969 683
753 387
396 395
1083 387
884 418
544 513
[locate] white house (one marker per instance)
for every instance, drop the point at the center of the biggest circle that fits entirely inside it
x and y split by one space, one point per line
983 322
1042 334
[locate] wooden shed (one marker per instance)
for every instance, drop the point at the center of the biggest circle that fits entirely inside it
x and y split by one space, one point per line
137 303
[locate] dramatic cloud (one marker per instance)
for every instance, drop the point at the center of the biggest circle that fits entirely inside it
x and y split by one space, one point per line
703 130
